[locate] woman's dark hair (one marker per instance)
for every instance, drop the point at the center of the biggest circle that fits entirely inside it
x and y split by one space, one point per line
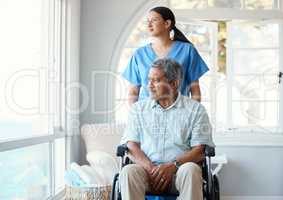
167 14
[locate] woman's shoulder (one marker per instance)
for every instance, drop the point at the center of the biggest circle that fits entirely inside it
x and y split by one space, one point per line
185 44
143 48
142 51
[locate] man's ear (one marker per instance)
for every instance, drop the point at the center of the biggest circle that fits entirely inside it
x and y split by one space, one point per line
176 84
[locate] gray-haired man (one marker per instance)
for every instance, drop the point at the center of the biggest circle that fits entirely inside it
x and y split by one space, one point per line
165 135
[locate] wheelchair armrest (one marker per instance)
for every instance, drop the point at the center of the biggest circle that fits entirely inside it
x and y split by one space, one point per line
209 151
122 150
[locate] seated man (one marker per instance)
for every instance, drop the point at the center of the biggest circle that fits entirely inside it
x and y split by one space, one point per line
165 135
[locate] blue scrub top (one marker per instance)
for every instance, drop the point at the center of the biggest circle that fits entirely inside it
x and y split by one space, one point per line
184 53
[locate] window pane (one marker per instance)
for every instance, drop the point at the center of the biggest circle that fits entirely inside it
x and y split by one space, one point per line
246 4
221 111
207 105
255 113
225 3
256 88
122 109
205 87
121 88
208 59
255 34
259 4
23 69
199 34
25 173
124 59
256 61
59 164
139 35
188 4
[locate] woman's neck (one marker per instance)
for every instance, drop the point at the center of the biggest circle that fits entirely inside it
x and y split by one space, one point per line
162 42
162 46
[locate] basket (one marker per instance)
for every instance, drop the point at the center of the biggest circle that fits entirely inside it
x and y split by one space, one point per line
88 193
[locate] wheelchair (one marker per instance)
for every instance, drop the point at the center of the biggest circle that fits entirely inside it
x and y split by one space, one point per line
210 181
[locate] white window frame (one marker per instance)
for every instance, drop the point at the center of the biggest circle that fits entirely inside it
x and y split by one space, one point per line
63 37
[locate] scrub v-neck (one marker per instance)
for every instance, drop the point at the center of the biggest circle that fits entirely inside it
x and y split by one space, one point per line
168 53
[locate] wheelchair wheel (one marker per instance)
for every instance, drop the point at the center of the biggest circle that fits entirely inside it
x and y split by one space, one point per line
115 193
216 188
211 192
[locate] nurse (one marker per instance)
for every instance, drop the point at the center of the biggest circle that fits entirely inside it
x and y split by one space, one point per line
161 24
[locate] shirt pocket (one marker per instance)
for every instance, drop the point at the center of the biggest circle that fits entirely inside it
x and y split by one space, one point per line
180 136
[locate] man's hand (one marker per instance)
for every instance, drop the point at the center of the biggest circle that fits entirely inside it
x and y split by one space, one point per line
161 176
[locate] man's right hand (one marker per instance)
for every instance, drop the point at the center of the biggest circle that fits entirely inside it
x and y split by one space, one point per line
161 176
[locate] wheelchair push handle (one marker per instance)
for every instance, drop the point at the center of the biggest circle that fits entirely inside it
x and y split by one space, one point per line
122 150
209 151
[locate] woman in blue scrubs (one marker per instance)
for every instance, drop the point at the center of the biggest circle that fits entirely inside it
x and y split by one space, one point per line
161 21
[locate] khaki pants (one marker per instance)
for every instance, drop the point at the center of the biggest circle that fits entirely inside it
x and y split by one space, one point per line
188 181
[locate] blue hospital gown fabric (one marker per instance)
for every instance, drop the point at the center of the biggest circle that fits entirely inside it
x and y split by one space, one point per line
184 53
166 133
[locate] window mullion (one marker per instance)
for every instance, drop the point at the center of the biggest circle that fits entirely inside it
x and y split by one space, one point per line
243 4
51 168
281 70
276 4
213 94
63 64
229 71
20 143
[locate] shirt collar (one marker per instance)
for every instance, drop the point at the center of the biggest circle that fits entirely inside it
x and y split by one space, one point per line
177 103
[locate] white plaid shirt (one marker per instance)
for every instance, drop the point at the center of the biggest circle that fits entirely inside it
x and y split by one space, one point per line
166 133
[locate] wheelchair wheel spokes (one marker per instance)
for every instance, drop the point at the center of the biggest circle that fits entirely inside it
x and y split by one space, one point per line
216 188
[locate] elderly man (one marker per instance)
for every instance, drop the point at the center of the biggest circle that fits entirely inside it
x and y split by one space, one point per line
165 135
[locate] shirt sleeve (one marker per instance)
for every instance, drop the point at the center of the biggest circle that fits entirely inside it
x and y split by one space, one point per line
202 130
197 66
131 72
133 128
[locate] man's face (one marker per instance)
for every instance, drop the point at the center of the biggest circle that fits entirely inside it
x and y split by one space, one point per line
158 85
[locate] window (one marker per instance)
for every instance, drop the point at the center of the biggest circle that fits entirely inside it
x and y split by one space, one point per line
253 83
25 173
238 4
23 69
32 117
241 91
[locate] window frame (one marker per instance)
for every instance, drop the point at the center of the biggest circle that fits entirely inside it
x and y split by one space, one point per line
63 29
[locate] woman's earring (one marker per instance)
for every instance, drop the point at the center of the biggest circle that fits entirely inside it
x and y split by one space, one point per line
171 34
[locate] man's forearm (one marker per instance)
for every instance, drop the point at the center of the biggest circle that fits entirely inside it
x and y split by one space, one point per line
138 156
195 155
195 91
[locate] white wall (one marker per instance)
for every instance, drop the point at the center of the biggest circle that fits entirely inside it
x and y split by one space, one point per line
252 171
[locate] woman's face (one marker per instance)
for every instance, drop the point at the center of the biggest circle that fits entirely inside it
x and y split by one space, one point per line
156 25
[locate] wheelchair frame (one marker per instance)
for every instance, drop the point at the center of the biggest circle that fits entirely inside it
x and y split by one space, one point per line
210 181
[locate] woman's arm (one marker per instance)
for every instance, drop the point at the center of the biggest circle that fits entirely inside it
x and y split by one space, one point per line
133 94
195 91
